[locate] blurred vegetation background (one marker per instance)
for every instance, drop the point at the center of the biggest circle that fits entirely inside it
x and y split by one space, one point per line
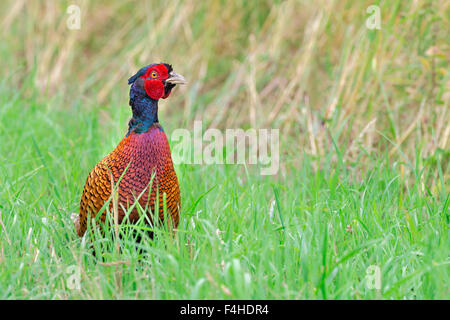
364 127
311 68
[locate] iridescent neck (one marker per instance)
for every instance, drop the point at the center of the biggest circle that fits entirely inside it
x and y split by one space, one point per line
145 111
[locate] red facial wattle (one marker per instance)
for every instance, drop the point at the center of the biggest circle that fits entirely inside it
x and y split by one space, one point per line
154 88
154 85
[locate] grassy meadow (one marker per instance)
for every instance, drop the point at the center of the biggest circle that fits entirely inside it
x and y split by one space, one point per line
363 116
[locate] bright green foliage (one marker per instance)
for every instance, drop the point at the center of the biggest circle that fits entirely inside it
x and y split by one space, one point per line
364 142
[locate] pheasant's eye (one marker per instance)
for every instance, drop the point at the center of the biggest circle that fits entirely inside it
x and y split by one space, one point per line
154 74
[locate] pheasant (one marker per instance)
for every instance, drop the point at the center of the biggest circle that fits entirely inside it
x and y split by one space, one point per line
143 154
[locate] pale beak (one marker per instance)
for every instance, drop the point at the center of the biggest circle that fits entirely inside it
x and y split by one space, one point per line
176 78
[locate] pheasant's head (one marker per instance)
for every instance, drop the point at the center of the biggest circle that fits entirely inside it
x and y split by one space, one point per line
156 80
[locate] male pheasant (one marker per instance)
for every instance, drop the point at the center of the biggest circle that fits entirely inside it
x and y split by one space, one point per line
145 154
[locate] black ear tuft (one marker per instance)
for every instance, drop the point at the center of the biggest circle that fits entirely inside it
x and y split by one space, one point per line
141 72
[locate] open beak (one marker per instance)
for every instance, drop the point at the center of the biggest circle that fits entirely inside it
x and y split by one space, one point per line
176 78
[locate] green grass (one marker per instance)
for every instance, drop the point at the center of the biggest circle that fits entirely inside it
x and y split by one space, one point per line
364 141
230 243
